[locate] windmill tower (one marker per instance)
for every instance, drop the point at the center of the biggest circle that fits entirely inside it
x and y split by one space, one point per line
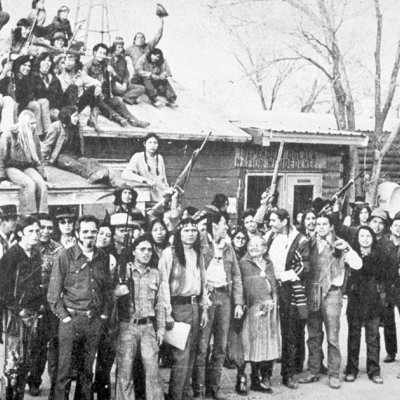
93 17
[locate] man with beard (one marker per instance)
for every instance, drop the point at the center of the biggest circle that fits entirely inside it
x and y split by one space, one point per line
224 286
47 325
22 298
80 295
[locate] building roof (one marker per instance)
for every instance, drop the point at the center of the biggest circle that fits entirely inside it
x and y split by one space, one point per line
191 120
68 188
298 128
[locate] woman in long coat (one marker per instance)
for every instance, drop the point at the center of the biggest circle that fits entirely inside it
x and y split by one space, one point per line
261 327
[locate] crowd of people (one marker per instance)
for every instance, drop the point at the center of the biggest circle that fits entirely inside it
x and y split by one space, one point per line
82 294
78 291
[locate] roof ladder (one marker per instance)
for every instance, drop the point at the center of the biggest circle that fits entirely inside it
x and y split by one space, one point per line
93 17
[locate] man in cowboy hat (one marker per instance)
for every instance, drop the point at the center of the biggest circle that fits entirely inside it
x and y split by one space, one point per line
121 86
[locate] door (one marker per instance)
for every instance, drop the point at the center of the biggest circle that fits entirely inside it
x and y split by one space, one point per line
256 184
301 190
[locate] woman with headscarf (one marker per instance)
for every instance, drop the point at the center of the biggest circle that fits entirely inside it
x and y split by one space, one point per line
63 147
261 327
21 163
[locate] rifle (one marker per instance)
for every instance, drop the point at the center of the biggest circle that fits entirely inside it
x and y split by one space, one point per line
73 37
183 177
274 180
341 192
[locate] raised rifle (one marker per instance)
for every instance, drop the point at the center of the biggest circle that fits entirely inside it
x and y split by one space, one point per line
274 179
183 177
341 192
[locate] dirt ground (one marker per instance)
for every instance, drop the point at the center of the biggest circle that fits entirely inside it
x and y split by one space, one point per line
362 388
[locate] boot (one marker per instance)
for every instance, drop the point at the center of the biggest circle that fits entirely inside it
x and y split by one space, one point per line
137 123
92 121
256 385
241 385
119 120
98 175
266 384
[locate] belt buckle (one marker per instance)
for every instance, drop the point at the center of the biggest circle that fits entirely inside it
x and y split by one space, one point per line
193 299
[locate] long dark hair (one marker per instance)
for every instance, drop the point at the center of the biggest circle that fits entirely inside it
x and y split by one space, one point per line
303 218
65 119
40 58
356 244
146 138
355 217
156 52
178 245
165 242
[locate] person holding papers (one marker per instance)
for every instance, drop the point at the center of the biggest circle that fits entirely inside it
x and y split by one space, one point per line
182 269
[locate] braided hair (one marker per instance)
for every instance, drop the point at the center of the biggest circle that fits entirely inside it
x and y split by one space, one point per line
146 138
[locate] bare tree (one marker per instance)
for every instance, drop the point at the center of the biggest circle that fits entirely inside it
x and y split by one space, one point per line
381 144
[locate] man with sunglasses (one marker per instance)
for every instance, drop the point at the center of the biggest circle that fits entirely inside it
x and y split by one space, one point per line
80 295
66 219
47 324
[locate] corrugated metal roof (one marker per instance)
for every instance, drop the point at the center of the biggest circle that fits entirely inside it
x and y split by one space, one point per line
289 121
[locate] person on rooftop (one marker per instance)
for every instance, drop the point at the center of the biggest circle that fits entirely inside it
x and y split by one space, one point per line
152 71
60 23
111 107
21 163
140 46
148 167
63 147
121 86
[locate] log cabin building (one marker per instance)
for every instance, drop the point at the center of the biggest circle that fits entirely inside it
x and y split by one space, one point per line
238 159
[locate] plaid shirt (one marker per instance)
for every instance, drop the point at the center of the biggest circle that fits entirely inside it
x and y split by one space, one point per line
148 293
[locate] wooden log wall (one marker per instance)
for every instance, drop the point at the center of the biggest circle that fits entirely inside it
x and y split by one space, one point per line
390 164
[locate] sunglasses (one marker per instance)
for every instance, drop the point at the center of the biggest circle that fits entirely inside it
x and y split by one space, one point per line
66 221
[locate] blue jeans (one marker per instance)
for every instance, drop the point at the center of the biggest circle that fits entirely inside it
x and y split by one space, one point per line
208 374
372 339
329 315
86 331
133 339
183 360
